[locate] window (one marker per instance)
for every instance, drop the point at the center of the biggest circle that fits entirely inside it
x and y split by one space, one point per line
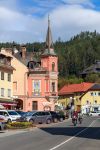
36 87
31 65
98 93
53 66
2 75
15 86
9 77
91 93
4 113
1 60
87 102
9 92
2 92
95 101
34 105
53 86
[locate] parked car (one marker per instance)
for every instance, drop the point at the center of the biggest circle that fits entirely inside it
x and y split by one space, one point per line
3 122
94 113
21 113
37 117
57 116
11 115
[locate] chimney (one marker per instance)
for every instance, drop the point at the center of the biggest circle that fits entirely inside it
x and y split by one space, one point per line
15 50
23 50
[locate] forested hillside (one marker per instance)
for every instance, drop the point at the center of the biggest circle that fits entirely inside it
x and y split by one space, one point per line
74 55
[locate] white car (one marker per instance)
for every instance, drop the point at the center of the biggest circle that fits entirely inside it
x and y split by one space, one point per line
94 113
11 115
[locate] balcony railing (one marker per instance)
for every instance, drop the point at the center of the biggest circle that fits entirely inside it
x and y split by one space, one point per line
51 94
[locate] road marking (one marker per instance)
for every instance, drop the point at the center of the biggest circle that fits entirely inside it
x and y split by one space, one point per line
72 137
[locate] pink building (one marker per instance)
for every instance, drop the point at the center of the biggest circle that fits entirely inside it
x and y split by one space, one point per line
35 83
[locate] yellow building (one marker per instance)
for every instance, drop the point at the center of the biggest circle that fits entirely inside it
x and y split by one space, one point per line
6 81
90 100
73 96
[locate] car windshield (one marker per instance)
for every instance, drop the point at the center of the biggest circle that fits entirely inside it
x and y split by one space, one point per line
12 113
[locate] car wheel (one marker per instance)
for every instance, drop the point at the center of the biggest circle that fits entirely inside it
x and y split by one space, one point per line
61 119
55 120
48 121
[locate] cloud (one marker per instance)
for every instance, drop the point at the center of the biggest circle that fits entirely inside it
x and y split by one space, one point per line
72 19
66 21
80 2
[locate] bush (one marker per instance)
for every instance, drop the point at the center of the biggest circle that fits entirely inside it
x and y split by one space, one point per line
19 125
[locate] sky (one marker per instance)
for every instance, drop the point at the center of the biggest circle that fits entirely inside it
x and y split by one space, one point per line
25 21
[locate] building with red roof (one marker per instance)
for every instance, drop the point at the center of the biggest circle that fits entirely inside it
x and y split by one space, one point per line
75 96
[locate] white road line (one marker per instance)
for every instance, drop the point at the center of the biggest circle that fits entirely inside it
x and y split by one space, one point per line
72 137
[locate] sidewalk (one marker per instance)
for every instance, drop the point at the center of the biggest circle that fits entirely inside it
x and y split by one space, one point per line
10 132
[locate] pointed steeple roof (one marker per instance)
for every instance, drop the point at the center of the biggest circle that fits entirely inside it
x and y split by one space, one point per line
49 42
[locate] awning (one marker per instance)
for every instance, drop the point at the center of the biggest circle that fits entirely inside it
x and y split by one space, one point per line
8 104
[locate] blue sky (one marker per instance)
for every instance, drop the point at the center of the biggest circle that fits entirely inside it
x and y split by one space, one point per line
26 20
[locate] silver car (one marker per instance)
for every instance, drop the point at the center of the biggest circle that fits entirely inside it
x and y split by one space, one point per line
38 117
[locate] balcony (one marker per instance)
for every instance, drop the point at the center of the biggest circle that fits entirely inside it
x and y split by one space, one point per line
51 94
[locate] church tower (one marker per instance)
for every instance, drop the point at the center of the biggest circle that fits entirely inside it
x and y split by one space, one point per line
49 61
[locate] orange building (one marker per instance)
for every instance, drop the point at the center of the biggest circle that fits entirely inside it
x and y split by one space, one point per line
43 79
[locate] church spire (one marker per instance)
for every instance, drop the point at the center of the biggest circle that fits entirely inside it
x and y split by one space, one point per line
49 42
49 51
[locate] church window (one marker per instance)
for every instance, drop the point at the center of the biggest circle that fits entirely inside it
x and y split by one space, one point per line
53 66
53 86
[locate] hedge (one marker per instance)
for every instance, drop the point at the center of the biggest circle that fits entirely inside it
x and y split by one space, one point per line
19 125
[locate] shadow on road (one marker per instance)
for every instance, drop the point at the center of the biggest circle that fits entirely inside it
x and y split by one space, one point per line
2 132
90 133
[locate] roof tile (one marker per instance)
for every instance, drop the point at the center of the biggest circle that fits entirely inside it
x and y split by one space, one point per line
72 88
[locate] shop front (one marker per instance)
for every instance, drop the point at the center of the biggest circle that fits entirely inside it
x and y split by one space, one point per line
8 104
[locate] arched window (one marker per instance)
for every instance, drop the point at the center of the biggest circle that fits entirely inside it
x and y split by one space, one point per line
53 66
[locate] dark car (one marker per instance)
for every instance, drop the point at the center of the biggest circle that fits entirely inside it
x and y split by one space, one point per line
37 117
20 112
57 116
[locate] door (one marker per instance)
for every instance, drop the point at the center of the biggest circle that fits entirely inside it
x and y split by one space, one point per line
38 117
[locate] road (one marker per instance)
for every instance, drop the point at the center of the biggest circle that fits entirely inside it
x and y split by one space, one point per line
60 136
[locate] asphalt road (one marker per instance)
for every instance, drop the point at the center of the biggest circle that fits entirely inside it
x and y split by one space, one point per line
60 136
